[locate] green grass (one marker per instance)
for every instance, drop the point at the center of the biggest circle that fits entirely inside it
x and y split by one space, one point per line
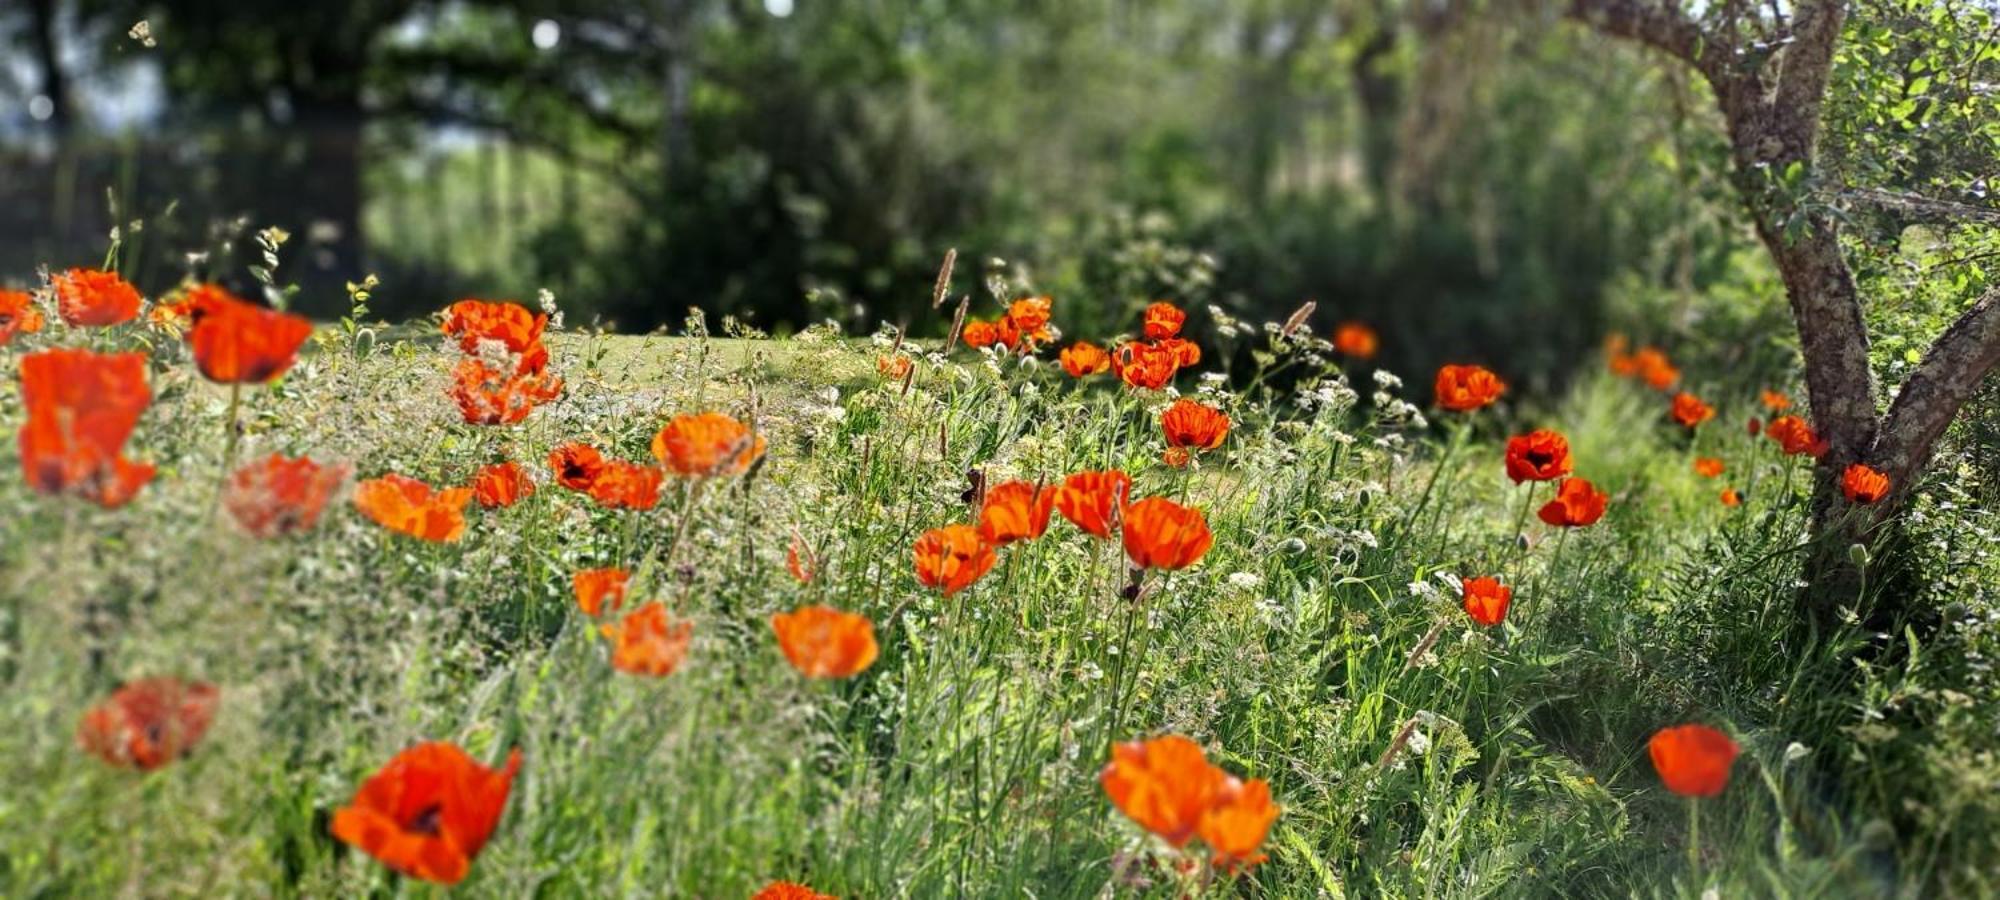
965 761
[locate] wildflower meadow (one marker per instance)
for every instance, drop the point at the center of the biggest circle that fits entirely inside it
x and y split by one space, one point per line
1207 607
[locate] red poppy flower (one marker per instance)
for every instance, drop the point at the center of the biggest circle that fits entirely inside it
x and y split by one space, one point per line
823 642
1864 484
1486 600
1092 500
786 890
576 465
979 334
1774 401
508 324
148 723
1015 511
1540 455
501 484
648 642
276 495
1166 785
1356 339
599 590
1235 826
429 812
707 444
1144 365
1162 534
894 368
1794 436
1466 388
236 342
1756 425
88 297
81 408
1731 498
1163 320
18 315
491 395
1190 424
1689 411
953 557
1185 353
1083 359
626 485
408 506
1577 503
1693 760
1707 466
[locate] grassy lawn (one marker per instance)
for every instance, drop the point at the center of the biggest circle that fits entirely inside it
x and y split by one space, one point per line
1318 645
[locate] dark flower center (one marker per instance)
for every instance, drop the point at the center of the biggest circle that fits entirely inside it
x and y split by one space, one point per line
426 820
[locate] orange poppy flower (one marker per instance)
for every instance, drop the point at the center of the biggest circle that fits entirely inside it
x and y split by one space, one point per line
1774 401
501 484
1794 436
1163 320
1166 785
1693 760
1030 315
979 334
18 315
787 890
1653 367
1466 388
1864 484
1092 500
707 444
237 342
1540 455
953 557
88 297
148 723
1176 457
1162 534
429 812
599 590
1083 359
1185 353
1015 511
1356 339
823 642
490 395
1235 826
1577 503
1486 600
1190 424
647 642
799 561
1689 411
408 506
894 368
1144 365
509 324
1008 335
81 408
1731 498
1707 466
576 465
275 495
626 485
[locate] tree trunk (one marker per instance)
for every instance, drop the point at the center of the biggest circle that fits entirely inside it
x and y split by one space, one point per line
55 81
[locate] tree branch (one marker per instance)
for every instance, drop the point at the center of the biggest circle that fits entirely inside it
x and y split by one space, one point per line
1961 358
1660 24
1918 208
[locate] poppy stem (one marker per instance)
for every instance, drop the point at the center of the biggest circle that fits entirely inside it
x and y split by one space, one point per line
1458 432
228 443
1694 838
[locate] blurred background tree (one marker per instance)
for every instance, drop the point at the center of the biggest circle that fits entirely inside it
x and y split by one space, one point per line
1474 185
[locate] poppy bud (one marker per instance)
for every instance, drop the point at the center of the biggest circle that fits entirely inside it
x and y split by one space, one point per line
1858 555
